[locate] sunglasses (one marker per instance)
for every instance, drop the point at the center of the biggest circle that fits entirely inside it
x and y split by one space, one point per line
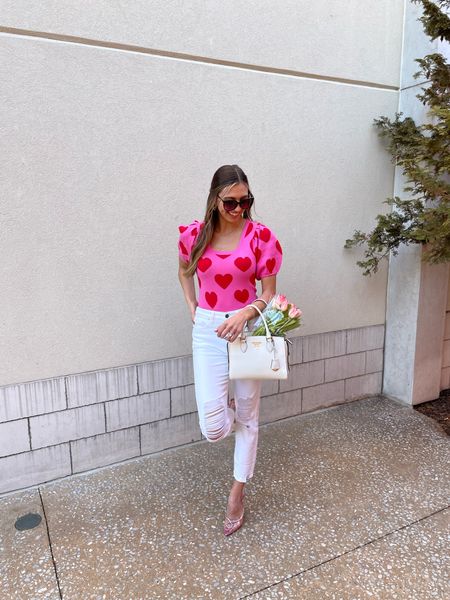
230 204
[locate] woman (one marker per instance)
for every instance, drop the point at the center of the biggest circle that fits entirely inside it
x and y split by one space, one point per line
228 251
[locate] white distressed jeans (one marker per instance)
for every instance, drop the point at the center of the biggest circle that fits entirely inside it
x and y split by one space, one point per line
216 418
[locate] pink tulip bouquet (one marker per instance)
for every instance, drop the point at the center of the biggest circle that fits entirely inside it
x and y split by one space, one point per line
281 316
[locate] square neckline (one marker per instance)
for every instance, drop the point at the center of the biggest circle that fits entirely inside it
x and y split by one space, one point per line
239 243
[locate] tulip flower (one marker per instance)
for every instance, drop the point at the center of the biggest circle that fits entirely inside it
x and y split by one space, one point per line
281 316
294 312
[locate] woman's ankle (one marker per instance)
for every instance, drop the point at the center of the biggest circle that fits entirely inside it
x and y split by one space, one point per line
237 489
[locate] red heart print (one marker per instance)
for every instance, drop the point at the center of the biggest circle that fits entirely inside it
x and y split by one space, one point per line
183 248
204 264
249 228
181 228
265 234
253 279
199 282
257 253
211 298
270 264
223 255
194 231
224 280
278 247
243 263
241 295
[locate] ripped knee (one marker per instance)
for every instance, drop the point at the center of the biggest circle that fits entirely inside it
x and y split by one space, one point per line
215 424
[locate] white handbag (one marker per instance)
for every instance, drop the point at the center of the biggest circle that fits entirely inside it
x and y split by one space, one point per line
258 356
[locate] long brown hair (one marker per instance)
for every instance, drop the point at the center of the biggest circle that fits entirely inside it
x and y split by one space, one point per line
224 177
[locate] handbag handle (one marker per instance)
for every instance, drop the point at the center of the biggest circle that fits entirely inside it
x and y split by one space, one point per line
268 334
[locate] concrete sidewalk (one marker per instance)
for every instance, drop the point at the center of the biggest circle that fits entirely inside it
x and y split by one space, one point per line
347 503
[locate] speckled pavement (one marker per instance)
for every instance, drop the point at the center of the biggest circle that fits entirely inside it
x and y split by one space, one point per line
346 503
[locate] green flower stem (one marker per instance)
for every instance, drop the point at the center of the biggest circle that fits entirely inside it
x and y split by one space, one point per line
279 327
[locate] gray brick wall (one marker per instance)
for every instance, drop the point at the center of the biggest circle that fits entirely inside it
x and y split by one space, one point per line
105 449
14 437
57 427
137 410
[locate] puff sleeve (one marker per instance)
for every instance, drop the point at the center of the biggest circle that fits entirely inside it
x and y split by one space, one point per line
187 239
268 252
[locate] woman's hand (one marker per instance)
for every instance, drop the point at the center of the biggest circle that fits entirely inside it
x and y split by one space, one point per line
235 324
232 327
192 307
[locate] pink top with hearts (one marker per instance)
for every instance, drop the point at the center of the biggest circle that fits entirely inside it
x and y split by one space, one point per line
227 280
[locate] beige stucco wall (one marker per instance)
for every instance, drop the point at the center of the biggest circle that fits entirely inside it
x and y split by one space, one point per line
414 354
445 373
107 149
